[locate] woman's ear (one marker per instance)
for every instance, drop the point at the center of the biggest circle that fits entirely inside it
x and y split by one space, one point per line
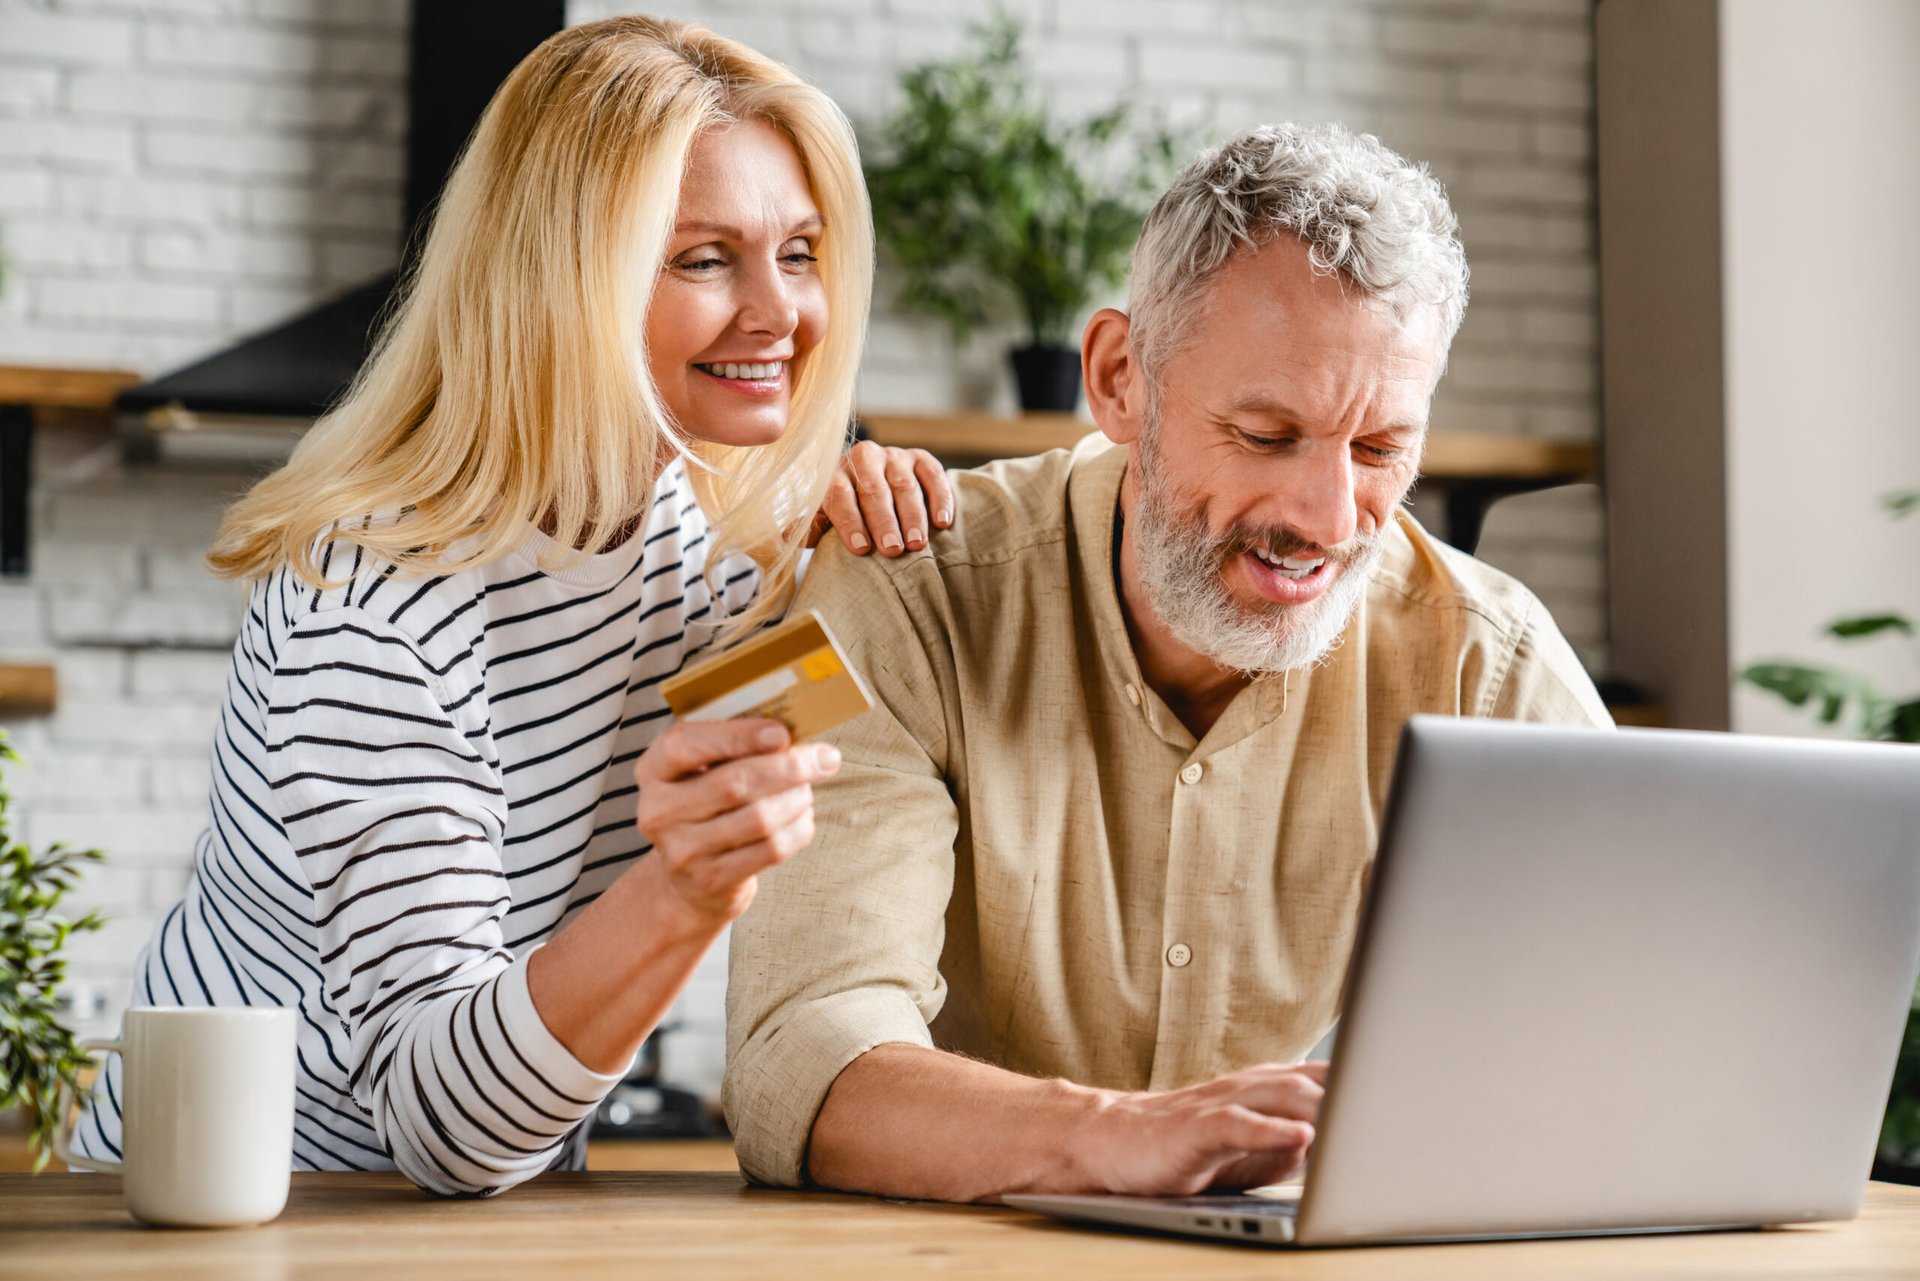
1116 384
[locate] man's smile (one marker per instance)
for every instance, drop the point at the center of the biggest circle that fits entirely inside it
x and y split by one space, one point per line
1293 580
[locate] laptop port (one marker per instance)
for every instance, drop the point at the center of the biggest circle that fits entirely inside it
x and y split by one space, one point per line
1250 1226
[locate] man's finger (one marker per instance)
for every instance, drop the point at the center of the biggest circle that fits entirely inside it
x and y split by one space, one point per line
692 746
1293 1096
1234 1131
1315 1072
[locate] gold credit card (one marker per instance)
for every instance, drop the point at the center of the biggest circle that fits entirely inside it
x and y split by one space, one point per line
794 673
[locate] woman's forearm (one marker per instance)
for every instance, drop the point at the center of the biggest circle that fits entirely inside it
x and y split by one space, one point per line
606 980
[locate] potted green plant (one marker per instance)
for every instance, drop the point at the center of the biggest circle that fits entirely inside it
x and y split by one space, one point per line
987 205
1836 695
37 1050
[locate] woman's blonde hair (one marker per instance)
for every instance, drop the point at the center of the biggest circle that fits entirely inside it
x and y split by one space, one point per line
510 385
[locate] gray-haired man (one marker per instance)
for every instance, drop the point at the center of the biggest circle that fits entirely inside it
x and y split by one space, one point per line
1087 881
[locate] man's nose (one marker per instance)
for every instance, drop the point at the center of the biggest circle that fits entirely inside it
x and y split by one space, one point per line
1318 502
766 302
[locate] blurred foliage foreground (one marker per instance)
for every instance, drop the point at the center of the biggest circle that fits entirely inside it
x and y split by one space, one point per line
37 1051
1836 695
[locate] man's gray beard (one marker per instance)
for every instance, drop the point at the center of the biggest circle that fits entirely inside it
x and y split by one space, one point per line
1182 568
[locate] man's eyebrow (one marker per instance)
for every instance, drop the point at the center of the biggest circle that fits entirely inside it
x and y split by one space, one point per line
1255 403
1267 407
727 231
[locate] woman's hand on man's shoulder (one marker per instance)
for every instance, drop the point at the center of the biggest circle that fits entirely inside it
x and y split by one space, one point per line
885 497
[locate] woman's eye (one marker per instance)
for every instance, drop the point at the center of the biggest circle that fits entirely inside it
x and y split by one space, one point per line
700 264
798 258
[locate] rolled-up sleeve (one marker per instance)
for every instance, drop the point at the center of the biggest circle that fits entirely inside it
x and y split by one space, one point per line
841 949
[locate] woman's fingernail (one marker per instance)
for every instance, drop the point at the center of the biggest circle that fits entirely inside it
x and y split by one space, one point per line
889 542
860 542
827 756
915 538
943 517
770 738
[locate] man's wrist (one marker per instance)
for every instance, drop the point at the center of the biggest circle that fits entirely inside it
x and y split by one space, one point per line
1082 1147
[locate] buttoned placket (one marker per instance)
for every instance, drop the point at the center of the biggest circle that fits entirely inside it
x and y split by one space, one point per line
1202 870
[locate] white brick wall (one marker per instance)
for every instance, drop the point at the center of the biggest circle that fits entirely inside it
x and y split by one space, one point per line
161 163
175 172
139 635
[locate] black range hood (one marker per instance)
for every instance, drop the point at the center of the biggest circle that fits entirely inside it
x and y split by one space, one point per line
460 52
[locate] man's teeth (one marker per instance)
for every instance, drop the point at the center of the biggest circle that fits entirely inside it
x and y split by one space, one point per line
1292 566
770 369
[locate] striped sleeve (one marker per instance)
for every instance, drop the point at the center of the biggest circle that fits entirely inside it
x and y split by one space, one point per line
385 779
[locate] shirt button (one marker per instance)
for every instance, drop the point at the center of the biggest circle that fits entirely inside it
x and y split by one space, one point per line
1133 693
1192 773
1178 955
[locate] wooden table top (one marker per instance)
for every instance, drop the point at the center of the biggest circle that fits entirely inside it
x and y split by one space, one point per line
679 1156
708 1224
1450 455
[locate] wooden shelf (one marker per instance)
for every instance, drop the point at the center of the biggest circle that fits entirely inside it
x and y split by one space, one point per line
28 689
49 388
28 396
977 435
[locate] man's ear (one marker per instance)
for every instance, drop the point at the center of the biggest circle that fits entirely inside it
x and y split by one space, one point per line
1116 384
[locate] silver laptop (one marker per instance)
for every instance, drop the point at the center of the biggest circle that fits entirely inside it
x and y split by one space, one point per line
1642 981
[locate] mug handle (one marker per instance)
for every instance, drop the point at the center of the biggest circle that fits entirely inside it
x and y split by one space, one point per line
61 1147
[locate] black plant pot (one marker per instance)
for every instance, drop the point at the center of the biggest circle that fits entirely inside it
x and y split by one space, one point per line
1049 378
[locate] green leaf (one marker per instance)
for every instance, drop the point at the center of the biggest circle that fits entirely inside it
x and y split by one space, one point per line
1829 691
1901 724
1870 625
1902 503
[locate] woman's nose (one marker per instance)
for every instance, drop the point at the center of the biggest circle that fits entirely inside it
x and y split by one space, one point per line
766 304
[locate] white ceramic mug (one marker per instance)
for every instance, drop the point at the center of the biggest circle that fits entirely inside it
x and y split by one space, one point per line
206 1114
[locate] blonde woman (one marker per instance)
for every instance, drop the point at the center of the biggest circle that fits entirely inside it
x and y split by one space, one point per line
595 432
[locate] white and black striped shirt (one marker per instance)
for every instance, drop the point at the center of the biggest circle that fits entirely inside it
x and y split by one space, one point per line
415 782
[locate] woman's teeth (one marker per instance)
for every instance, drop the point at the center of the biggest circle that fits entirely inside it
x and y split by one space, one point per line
1291 566
770 369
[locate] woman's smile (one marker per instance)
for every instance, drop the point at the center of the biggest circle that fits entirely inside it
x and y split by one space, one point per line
760 378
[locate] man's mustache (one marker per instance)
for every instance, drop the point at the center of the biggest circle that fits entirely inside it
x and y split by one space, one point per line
1280 543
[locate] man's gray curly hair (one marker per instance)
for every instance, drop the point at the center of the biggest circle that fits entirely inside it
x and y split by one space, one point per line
1363 210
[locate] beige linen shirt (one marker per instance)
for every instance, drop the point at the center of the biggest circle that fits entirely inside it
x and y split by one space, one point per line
1027 858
